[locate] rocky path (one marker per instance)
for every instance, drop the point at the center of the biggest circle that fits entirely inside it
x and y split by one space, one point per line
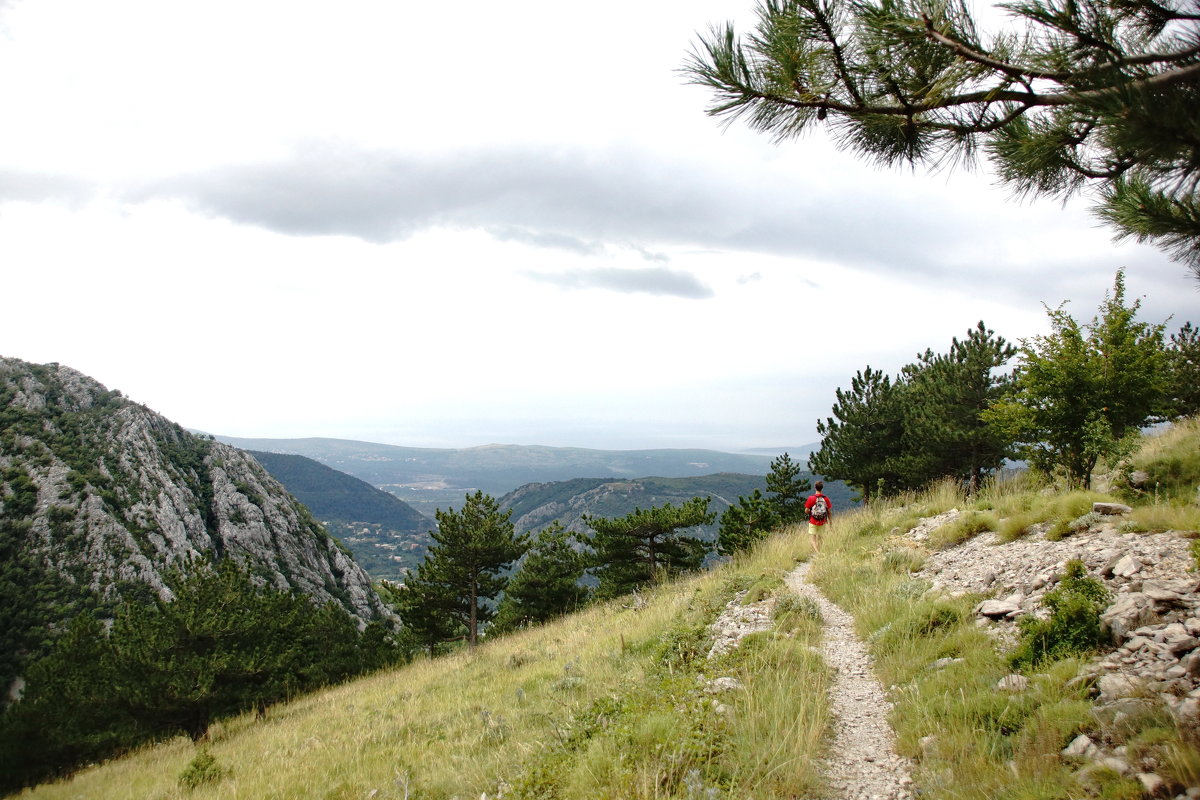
862 762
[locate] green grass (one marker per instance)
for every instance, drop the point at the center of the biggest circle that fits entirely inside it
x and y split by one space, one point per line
1171 459
610 702
605 703
971 741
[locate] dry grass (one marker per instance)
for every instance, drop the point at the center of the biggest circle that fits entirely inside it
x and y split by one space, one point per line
607 703
517 710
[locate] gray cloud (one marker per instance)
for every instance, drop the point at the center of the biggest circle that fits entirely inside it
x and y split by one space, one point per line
651 280
587 201
549 239
575 200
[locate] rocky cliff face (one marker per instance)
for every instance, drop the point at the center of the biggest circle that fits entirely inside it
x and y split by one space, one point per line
104 495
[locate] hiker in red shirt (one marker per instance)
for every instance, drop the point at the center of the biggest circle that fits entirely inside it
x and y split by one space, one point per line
819 511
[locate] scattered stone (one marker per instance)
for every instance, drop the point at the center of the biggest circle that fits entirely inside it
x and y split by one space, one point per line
998 608
726 684
1127 566
945 662
1116 764
1081 747
1116 686
1131 611
1152 784
1013 683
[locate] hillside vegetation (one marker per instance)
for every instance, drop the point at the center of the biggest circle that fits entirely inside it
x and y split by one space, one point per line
387 536
619 700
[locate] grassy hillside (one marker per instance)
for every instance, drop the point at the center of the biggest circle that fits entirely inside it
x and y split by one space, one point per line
611 702
606 703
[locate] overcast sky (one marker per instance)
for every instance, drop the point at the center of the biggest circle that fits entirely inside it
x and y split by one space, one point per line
451 224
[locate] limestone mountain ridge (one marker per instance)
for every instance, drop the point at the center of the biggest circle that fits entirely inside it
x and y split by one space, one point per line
100 497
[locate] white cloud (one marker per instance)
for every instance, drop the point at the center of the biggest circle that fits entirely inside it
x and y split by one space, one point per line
464 223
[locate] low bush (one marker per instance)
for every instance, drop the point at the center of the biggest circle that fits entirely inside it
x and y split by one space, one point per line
1073 627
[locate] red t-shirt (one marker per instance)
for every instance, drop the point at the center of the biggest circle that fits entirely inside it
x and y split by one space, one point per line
811 501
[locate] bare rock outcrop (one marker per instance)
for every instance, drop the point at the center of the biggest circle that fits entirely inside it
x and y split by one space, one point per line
108 496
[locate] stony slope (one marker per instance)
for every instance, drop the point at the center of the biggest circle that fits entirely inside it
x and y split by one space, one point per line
99 496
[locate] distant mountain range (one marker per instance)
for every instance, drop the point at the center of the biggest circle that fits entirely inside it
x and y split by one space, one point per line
499 468
429 479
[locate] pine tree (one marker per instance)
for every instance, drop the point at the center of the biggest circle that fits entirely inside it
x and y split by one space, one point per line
1183 357
945 433
862 446
747 522
644 547
1099 94
221 646
431 611
789 488
547 583
474 545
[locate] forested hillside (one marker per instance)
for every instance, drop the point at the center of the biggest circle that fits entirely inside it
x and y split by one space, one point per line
100 496
387 536
537 505
153 580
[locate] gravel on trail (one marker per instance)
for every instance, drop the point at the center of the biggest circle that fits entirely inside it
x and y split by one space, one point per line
862 763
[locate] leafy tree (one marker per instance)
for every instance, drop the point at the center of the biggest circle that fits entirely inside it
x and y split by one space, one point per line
547 584
747 522
945 433
1082 389
644 546
862 446
1183 359
789 487
473 546
1097 93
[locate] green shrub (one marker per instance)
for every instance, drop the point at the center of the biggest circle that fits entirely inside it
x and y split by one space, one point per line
762 588
1073 627
792 611
201 770
1017 525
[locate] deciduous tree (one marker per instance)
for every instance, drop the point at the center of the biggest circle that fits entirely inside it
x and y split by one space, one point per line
1083 388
